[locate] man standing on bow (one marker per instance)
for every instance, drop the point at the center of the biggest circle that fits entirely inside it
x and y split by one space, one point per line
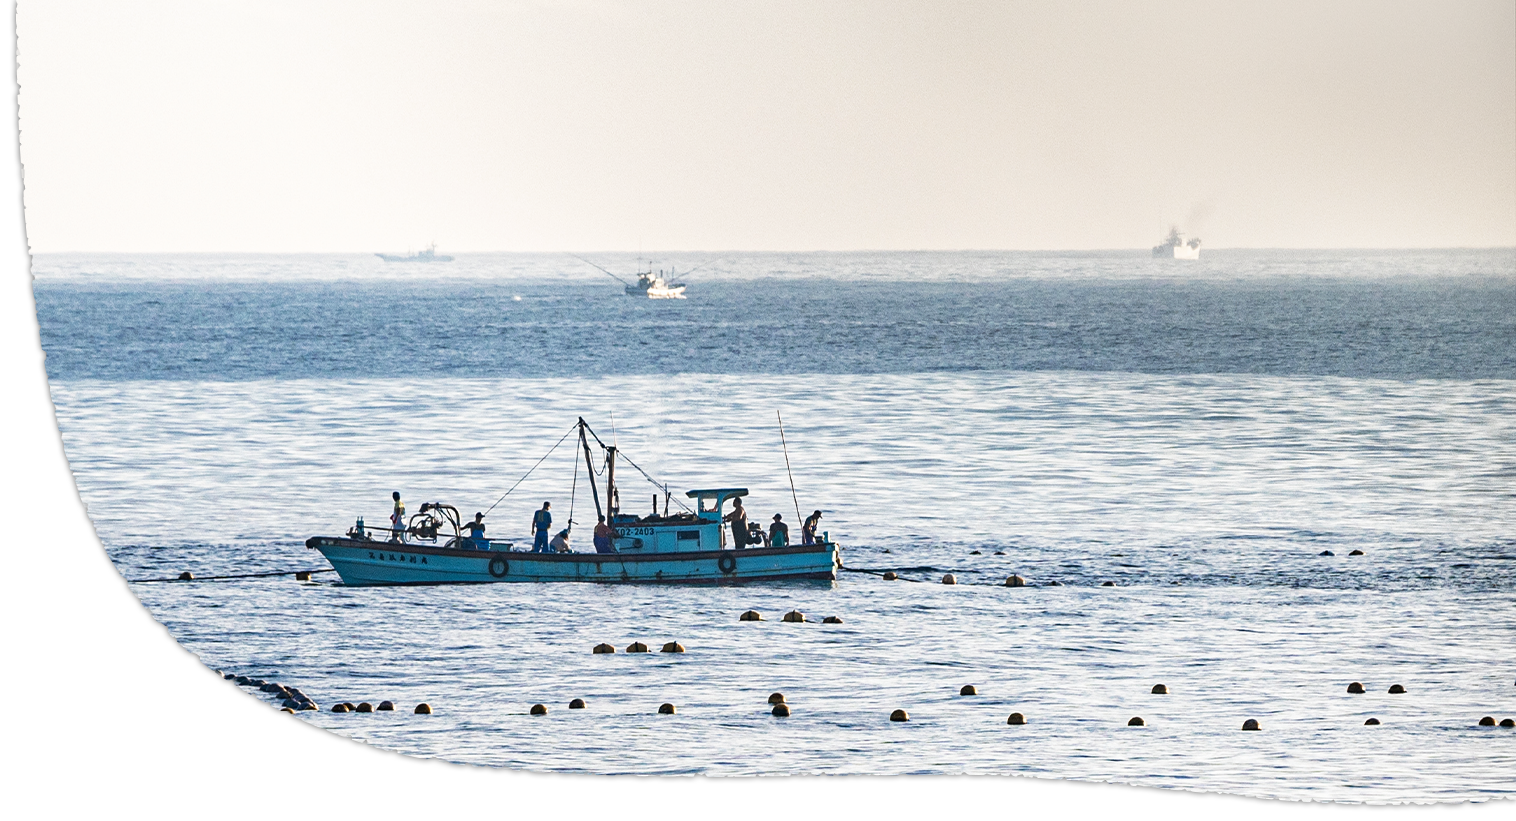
397 519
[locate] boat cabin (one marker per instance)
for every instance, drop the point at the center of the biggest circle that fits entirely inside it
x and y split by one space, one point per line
677 533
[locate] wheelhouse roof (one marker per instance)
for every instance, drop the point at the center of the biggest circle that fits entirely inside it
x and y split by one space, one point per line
720 491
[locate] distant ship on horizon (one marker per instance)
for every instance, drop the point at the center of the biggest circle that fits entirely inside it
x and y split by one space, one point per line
654 286
1177 247
428 254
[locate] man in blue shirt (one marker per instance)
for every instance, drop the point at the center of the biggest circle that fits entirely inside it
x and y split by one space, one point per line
541 521
476 533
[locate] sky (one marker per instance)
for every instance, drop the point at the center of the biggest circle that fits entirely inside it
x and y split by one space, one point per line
315 126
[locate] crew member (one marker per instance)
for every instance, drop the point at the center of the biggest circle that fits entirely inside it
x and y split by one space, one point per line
779 532
603 535
738 518
541 521
808 530
476 532
397 519
560 543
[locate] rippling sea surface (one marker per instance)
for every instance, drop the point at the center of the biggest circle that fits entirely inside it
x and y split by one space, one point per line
1199 435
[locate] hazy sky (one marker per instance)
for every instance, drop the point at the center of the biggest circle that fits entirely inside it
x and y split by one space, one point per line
359 126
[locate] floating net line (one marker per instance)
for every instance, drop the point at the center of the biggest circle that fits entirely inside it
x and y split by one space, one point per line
695 779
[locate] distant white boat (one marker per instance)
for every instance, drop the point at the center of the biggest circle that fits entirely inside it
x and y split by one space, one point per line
428 254
649 284
654 286
1177 247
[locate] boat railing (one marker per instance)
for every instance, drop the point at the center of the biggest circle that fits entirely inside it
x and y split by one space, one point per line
368 534
368 531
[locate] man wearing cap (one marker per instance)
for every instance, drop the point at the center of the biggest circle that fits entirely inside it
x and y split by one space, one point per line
541 521
808 530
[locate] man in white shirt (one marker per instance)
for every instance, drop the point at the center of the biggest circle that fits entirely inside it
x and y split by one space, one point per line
560 543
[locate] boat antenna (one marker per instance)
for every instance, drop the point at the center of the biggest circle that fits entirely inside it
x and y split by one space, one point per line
787 470
602 270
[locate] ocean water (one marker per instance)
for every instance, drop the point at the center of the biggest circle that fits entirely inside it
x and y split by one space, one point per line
1199 435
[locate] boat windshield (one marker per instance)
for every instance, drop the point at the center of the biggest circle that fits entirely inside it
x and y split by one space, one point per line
711 501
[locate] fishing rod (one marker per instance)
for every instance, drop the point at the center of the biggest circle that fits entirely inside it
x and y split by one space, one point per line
673 275
602 270
787 470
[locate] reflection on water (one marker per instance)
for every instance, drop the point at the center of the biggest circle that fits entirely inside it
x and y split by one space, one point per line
1207 499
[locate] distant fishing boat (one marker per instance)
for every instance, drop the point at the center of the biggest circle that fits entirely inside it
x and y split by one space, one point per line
654 286
649 284
427 254
685 547
1175 246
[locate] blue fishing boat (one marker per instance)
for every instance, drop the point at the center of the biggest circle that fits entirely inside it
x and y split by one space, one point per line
689 546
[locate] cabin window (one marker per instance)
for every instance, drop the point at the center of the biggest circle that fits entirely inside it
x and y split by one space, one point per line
689 535
708 504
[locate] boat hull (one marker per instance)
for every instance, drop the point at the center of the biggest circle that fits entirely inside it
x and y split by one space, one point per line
676 292
363 563
1177 252
398 258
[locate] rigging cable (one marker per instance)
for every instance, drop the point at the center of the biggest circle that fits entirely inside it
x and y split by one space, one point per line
655 483
573 491
534 467
602 270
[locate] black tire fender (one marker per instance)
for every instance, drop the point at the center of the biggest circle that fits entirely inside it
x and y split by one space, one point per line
727 563
499 567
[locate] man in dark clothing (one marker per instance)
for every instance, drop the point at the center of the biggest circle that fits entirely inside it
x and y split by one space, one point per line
738 518
541 521
808 530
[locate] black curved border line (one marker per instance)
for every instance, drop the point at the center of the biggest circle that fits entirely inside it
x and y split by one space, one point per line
14 167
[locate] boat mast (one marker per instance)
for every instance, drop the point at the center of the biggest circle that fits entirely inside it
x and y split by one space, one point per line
589 465
610 481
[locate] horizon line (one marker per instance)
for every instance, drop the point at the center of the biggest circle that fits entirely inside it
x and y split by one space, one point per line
645 252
